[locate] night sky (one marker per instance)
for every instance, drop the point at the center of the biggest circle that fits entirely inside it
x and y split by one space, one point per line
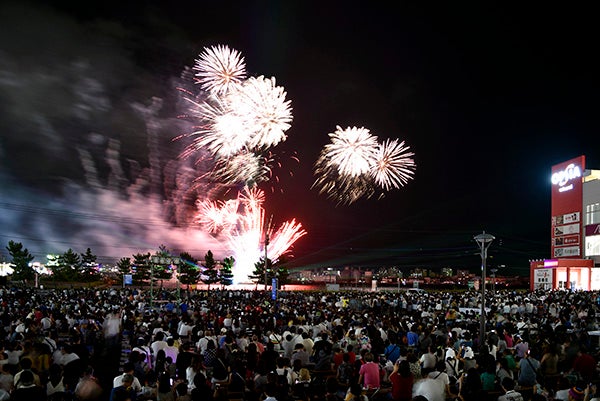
488 95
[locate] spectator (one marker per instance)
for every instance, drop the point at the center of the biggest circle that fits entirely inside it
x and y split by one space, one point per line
585 365
124 391
55 380
128 370
508 386
402 381
27 389
470 387
369 375
527 371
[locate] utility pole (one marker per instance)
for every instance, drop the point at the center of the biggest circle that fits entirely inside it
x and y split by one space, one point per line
266 263
267 229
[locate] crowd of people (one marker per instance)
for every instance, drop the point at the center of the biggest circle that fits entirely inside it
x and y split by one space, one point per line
122 344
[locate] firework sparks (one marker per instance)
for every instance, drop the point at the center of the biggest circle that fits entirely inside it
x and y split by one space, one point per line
238 125
241 222
354 165
344 189
352 150
394 165
268 114
247 167
220 69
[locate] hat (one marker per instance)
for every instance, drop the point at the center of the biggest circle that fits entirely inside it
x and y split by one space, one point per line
469 352
450 354
223 330
576 393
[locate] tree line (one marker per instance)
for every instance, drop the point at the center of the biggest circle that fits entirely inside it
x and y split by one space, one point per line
143 267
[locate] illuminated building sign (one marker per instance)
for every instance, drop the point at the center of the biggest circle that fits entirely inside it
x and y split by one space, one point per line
566 176
567 205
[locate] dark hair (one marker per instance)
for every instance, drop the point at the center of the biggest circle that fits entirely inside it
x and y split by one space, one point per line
164 382
508 383
404 368
128 366
25 363
181 389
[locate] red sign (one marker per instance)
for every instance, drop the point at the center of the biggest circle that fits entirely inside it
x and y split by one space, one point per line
567 240
567 199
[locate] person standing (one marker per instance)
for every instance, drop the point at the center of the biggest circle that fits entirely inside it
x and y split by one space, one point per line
402 381
369 374
528 366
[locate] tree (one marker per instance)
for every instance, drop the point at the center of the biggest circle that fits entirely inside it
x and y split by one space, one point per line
69 265
162 270
188 269
258 275
283 273
210 274
124 266
89 267
141 267
52 265
226 273
21 257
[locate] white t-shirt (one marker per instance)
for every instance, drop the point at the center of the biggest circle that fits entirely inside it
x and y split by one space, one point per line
118 381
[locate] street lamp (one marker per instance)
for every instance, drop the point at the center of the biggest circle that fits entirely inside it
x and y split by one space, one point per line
266 264
483 241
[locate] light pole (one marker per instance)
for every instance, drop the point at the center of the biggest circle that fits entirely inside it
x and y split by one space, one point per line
483 241
266 264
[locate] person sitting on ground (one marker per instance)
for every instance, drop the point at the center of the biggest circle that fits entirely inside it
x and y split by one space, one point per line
128 369
124 391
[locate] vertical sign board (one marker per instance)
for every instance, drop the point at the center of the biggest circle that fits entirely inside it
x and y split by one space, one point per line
542 279
567 204
274 289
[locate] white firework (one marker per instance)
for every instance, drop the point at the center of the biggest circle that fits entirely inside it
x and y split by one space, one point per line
219 69
352 150
247 167
267 114
394 165
242 223
223 132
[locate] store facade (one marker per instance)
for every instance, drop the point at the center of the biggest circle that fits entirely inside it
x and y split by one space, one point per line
575 231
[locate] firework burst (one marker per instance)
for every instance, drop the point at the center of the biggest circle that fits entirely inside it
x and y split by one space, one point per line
238 125
394 165
241 222
268 114
354 165
219 69
352 150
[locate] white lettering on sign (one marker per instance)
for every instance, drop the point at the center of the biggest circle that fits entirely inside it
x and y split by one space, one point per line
562 177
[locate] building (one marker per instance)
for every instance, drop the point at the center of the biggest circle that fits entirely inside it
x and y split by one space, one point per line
575 231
